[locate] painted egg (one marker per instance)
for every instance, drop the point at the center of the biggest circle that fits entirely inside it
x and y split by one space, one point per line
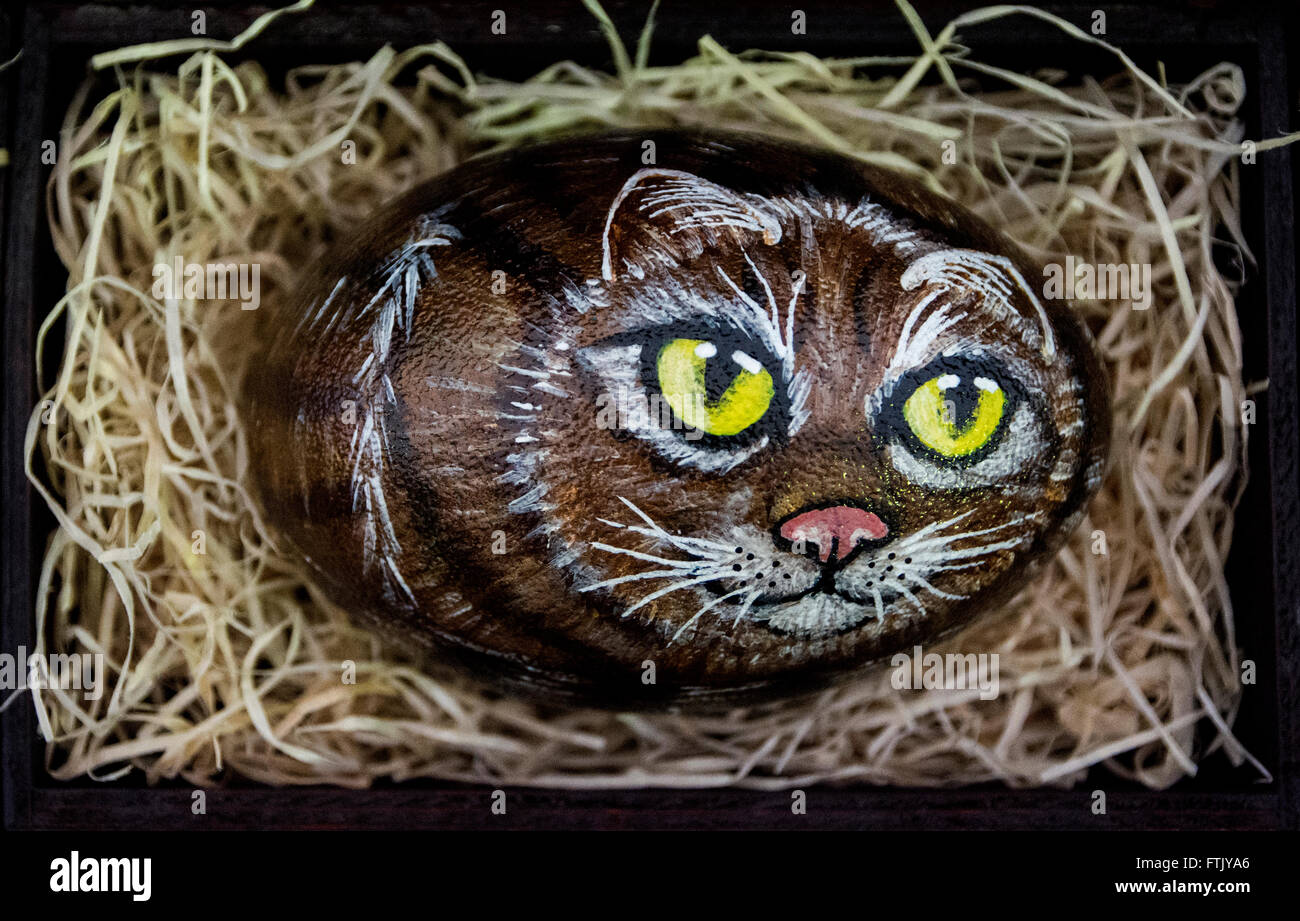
674 415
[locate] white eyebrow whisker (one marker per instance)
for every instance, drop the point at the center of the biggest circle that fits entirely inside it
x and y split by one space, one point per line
771 298
740 292
992 278
781 342
769 322
789 318
905 337
913 345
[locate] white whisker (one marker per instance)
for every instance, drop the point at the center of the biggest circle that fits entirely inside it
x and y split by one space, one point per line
664 535
771 301
880 604
635 577
684 543
920 580
696 615
675 587
966 553
648 557
907 593
744 608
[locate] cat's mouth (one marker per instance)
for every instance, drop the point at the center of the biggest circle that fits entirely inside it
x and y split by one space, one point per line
822 609
825 584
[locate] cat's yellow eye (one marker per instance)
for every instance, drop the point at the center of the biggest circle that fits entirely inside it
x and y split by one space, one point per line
682 367
933 414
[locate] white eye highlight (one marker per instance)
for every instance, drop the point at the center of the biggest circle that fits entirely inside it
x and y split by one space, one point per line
751 365
706 350
983 383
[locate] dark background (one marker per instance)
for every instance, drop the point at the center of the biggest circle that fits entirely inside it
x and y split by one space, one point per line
57 40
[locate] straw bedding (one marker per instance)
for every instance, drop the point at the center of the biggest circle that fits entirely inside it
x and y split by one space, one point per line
224 663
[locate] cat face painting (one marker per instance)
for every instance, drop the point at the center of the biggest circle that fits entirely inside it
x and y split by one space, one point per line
674 415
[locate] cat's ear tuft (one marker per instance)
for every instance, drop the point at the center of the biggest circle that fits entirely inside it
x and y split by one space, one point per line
675 214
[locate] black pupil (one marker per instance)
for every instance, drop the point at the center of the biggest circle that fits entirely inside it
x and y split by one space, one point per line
961 402
719 372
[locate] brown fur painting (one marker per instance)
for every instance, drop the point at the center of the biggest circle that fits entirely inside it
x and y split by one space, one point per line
643 418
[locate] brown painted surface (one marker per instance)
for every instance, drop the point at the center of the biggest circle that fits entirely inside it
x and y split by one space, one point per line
428 432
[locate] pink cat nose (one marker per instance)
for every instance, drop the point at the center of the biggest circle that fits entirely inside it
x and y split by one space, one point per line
837 529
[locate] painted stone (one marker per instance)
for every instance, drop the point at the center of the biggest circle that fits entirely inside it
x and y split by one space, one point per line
675 415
